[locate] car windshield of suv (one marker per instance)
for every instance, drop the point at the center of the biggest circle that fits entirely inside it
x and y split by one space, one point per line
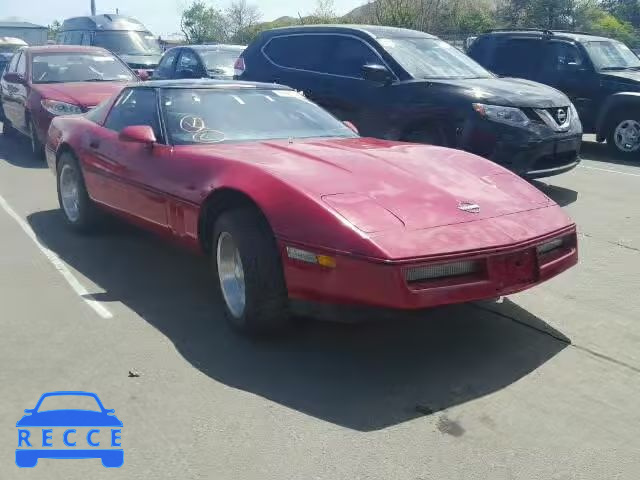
128 42
220 61
78 67
432 58
208 116
9 48
611 55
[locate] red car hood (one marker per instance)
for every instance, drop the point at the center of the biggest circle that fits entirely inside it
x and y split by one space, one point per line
379 185
84 94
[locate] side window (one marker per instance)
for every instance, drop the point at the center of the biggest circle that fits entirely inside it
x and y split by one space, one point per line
303 52
348 55
189 62
21 68
562 54
135 106
165 68
14 62
517 57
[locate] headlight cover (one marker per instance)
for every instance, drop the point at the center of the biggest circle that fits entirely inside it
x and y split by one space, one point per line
55 107
507 115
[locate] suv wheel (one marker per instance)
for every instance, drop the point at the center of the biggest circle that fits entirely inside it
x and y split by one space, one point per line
624 133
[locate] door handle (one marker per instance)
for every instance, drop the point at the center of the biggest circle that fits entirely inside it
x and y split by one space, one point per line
94 144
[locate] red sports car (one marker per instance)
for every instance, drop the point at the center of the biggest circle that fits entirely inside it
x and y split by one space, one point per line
296 210
43 82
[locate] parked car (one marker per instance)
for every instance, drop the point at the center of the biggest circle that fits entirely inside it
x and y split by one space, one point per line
199 61
124 36
296 210
599 74
8 46
405 85
43 82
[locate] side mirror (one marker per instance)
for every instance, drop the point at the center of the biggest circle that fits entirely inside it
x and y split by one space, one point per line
376 73
351 126
142 74
14 77
138 134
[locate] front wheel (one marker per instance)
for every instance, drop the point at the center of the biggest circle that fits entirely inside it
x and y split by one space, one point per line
77 208
624 134
247 263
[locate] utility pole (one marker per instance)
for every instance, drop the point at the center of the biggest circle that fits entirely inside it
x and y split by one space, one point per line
93 7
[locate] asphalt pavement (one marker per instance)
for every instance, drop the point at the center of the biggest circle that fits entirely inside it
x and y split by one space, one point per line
544 385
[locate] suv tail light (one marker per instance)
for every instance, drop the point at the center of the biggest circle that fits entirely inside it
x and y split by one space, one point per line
238 68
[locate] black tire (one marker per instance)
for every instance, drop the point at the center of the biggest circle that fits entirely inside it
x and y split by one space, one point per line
616 121
87 213
266 306
37 149
429 135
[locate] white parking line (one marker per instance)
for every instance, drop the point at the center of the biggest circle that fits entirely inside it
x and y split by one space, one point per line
610 171
57 263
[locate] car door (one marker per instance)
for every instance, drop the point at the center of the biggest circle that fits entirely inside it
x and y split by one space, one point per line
125 172
341 87
566 68
22 90
10 90
189 65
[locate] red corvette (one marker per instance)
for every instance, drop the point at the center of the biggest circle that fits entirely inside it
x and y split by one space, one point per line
295 209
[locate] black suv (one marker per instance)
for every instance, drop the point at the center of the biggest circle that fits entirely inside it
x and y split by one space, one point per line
406 85
600 75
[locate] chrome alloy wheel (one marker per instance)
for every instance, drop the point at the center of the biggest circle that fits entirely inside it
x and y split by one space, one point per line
627 136
70 192
231 274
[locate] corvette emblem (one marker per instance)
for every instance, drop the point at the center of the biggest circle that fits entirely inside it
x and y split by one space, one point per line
469 207
191 124
561 115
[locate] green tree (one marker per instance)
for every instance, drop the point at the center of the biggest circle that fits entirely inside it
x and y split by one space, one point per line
53 30
201 23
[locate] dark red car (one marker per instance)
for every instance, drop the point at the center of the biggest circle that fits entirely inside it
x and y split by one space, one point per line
43 82
296 210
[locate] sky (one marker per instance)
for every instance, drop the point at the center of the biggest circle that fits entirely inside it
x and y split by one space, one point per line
162 17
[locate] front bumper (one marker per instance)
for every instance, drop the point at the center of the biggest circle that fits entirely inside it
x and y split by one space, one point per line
533 152
383 284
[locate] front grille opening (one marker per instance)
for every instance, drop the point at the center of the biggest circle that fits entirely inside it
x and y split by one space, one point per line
443 271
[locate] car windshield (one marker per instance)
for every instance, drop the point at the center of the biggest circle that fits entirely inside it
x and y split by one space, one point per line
220 61
432 58
69 402
611 55
207 116
128 42
78 67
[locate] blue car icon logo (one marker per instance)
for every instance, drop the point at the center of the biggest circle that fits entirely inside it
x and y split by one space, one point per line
94 432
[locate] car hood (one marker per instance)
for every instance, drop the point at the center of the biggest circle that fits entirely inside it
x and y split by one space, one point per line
514 92
69 418
141 61
378 185
624 76
85 94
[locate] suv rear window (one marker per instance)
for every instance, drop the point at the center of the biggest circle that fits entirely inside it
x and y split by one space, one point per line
304 52
517 57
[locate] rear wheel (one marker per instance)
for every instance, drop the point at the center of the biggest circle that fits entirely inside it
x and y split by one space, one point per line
78 209
250 279
624 134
